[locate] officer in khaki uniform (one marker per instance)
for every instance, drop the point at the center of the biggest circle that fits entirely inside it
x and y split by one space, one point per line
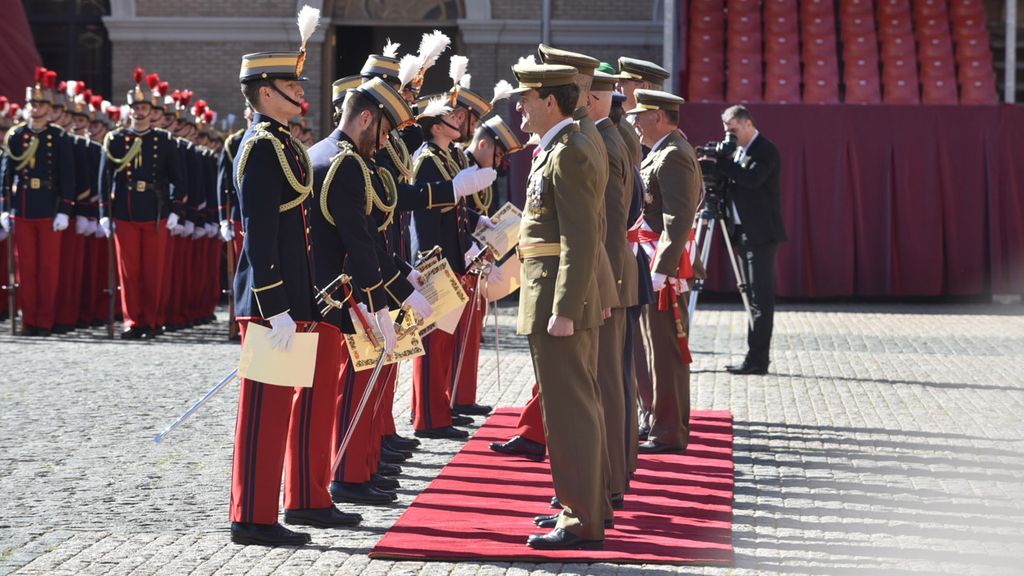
559 307
673 183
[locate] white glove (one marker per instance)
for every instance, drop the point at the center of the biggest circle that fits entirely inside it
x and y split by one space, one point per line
91 227
226 233
179 230
81 225
5 221
3 234
282 331
387 329
172 221
189 228
419 304
484 222
658 281
211 230
198 232
415 278
60 222
472 180
471 254
104 228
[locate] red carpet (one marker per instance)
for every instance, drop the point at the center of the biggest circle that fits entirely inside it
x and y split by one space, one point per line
480 507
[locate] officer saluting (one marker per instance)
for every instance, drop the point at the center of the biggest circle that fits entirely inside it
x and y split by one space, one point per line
38 179
559 305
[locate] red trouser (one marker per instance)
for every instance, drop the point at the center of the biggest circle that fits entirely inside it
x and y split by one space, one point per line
69 287
100 297
472 321
385 417
363 451
432 382
140 261
3 272
383 402
167 291
277 424
179 285
37 253
531 420
90 266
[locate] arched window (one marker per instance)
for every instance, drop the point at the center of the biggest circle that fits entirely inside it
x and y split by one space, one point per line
72 39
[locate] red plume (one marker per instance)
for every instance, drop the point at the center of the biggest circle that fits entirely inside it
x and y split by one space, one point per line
114 113
304 107
86 95
200 107
50 79
81 89
176 96
153 80
40 74
3 100
163 88
137 74
208 116
96 102
62 87
186 97
13 111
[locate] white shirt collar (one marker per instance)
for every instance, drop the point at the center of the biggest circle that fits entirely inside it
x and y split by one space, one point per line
550 134
754 137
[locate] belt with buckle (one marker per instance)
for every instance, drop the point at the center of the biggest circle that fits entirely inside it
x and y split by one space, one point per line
538 250
35 183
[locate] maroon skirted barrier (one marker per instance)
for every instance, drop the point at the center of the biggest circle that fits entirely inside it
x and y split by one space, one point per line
18 55
885 200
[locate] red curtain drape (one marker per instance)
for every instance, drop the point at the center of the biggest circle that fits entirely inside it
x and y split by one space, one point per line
18 55
890 200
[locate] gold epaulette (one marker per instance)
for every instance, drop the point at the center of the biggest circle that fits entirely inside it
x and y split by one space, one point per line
260 132
124 161
346 152
30 151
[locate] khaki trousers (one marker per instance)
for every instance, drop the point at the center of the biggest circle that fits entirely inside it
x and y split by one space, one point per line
670 421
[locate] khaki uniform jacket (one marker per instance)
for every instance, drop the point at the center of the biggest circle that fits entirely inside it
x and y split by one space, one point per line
632 140
560 210
605 276
672 178
617 196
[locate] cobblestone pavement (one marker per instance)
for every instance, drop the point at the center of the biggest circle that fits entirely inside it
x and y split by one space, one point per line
887 440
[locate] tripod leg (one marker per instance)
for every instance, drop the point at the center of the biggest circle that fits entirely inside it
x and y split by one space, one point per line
741 281
706 237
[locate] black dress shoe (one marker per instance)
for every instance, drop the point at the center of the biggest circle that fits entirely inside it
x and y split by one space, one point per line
551 520
448 432
385 469
519 446
61 328
392 456
322 517
359 493
472 409
748 368
555 503
458 420
266 535
397 442
618 502
44 332
559 539
135 333
382 482
654 447
644 432
28 331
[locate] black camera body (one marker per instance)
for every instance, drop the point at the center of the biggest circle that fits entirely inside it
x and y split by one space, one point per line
714 180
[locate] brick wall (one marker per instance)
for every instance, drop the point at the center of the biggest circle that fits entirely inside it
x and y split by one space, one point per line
250 8
210 70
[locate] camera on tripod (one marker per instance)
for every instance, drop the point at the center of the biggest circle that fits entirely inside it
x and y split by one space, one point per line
714 179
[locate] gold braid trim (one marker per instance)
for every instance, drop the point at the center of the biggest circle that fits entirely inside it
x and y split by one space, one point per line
401 159
346 152
391 189
126 160
227 144
483 200
27 156
260 132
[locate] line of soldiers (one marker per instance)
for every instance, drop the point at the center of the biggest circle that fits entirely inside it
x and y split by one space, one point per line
603 250
140 184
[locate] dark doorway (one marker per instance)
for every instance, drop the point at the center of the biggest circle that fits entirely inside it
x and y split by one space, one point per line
355 43
72 40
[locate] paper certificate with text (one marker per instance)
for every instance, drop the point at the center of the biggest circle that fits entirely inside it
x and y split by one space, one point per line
261 363
441 287
505 235
364 355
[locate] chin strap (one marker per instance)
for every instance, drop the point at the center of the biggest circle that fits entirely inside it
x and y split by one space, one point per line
274 87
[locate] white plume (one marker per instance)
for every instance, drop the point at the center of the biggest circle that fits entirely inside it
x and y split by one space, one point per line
527 60
391 49
502 90
309 18
431 47
105 106
70 89
457 68
408 66
435 107
466 81
126 111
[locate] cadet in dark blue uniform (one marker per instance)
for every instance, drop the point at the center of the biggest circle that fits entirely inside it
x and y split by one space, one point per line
38 193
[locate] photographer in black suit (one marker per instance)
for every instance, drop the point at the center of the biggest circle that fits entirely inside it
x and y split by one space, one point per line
753 172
